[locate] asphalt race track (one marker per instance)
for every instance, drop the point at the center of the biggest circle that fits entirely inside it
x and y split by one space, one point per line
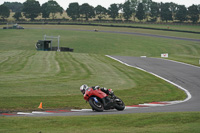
184 75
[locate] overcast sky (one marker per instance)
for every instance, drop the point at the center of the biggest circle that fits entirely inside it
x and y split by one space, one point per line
105 3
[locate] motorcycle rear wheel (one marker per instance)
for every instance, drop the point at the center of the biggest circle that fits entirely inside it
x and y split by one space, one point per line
96 106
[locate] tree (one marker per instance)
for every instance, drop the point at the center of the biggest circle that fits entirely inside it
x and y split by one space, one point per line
31 9
166 14
193 13
120 7
73 11
127 12
87 11
154 11
146 5
100 11
181 13
14 6
134 5
173 8
140 14
113 11
53 7
44 11
4 12
17 15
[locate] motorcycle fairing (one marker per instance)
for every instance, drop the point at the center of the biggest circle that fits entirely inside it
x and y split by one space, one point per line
97 93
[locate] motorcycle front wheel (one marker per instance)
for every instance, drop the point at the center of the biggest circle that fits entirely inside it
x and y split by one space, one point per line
119 104
96 105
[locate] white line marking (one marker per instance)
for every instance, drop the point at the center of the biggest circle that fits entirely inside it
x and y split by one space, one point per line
189 96
86 109
130 107
148 104
39 112
76 110
23 113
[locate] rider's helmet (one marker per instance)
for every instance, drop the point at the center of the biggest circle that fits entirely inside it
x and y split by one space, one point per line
83 88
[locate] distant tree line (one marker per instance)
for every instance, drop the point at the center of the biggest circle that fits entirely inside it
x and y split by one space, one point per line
147 10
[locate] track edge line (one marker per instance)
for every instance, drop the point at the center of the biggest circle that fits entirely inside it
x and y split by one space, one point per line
189 96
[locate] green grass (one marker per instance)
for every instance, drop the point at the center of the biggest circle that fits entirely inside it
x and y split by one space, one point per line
105 43
161 26
54 78
129 123
101 28
29 77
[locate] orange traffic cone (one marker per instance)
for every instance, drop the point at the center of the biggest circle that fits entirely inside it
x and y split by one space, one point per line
40 106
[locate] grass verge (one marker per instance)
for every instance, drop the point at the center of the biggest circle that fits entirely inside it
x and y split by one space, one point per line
133 123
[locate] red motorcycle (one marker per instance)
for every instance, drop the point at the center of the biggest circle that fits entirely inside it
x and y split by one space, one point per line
100 101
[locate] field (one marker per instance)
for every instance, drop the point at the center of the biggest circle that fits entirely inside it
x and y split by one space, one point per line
29 77
129 123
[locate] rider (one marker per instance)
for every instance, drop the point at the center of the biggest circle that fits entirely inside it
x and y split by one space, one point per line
106 101
84 87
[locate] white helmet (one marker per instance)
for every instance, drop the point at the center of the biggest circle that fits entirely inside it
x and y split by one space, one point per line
83 88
